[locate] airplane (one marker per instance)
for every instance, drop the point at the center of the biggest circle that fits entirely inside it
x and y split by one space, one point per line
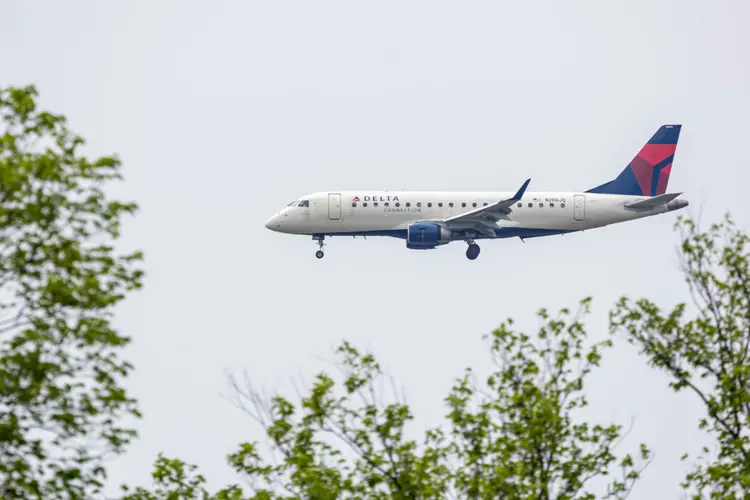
426 220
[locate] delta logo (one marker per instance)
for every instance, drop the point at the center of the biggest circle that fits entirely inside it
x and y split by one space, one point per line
376 198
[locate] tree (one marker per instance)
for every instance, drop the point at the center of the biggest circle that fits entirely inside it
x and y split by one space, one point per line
60 369
514 436
706 350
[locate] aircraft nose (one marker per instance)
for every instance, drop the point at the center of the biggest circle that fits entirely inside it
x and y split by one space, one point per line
273 223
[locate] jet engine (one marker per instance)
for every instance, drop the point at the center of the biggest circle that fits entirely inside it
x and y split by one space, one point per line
426 235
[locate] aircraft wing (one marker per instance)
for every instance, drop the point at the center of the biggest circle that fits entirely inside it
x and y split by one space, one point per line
490 214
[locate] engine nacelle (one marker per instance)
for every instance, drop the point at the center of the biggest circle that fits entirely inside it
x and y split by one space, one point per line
426 235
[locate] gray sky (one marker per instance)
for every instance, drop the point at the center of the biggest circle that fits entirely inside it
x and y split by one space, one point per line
225 111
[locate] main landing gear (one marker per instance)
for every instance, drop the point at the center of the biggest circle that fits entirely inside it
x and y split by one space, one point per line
473 251
319 254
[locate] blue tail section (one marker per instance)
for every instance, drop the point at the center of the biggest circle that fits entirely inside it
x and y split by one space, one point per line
648 173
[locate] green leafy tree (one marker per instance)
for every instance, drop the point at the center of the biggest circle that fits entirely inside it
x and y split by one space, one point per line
705 349
515 435
60 370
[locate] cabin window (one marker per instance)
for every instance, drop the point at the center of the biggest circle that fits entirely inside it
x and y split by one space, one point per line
541 204
364 204
531 205
429 205
408 204
562 205
375 204
398 204
419 204
450 204
386 204
552 205
354 204
473 204
440 204
485 204
463 204
520 205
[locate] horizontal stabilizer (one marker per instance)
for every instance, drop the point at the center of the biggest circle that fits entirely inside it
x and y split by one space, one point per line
653 202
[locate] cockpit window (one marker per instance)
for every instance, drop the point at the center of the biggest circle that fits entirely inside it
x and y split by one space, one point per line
292 203
304 203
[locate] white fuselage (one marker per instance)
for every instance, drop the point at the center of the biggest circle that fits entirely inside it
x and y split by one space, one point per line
389 213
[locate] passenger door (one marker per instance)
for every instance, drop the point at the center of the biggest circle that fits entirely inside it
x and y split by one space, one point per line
579 207
334 206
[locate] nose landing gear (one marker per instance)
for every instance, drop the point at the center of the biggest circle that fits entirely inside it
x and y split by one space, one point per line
473 251
319 238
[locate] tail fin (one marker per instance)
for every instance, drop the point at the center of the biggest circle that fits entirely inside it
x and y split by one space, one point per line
648 173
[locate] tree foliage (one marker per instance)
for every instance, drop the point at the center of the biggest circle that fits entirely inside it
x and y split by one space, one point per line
516 435
705 350
60 370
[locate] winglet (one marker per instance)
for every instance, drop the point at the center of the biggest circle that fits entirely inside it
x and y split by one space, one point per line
521 191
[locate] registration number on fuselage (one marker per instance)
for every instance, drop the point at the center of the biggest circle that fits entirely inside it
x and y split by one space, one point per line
555 200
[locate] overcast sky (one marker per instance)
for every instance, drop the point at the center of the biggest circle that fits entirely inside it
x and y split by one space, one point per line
223 112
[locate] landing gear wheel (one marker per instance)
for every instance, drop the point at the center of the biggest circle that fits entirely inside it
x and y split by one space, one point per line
319 238
473 251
